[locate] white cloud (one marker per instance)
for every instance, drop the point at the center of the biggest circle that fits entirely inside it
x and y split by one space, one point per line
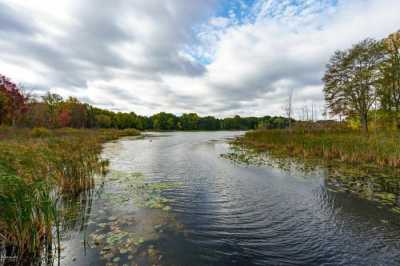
181 56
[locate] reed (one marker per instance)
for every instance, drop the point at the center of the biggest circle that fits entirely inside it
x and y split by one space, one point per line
381 149
27 212
38 168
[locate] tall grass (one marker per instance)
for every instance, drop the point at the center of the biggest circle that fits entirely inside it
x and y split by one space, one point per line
27 212
381 149
365 165
38 168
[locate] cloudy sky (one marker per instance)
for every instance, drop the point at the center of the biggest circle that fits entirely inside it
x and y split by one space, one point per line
218 57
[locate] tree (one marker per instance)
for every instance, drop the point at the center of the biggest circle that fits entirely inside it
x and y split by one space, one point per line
52 111
12 101
64 118
164 121
37 115
103 121
289 107
3 106
77 115
389 91
352 78
53 102
208 123
189 121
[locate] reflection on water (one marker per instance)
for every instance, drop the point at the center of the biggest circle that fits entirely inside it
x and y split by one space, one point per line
128 219
239 214
366 181
172 199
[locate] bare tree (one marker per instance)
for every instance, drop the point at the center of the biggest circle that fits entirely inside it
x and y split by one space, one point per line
289 107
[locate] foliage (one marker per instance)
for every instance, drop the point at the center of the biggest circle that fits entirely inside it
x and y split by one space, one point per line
364 77
103 121
52 111
352 79
40 132
37 168
27 211
12 101
389 92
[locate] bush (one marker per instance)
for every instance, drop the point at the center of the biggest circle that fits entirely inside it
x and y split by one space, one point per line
130 132
41 132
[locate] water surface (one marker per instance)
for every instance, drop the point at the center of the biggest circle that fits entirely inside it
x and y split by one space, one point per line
212 211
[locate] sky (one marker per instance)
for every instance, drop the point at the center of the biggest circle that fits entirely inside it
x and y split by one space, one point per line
212 57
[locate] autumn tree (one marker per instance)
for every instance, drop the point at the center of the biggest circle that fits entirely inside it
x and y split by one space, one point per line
389 92
3 106
53 103
12 101
77 112
352 78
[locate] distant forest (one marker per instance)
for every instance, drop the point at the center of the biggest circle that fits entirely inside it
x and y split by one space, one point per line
52 111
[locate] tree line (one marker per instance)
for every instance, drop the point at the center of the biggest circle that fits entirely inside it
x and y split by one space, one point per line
52 111
365 80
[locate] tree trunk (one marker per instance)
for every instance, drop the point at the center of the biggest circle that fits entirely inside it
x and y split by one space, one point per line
364 122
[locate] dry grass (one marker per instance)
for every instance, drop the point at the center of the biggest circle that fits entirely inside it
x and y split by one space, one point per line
342 145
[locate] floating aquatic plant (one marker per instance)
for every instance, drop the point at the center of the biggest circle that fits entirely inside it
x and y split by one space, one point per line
367 180
38 170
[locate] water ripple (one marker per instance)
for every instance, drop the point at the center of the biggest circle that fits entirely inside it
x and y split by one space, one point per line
245 215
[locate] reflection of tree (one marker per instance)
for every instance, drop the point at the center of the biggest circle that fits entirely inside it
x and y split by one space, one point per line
369 182
73 216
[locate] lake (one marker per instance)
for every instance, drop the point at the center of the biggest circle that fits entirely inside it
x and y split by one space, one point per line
172 199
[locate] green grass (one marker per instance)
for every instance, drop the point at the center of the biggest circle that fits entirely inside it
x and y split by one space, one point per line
364 165
381 149
37 168
27 213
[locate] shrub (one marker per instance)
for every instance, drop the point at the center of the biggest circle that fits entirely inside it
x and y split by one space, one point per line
130 132
41 132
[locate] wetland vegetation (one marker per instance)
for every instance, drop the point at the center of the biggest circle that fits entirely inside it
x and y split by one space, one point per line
56 181
362 153
39 168
365 165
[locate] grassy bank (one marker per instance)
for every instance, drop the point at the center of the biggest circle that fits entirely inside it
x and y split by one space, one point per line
37 168
368 166
381 149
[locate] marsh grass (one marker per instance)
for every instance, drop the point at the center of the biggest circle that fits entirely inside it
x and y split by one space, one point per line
37 170
27 212
365 165
381 149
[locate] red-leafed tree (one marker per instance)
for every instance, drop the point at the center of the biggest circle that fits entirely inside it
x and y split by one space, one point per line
12 101
64 118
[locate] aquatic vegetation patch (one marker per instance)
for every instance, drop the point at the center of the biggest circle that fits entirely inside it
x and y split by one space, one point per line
124 236
134 187
37 169
131 237
364 180
343 145
133 216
